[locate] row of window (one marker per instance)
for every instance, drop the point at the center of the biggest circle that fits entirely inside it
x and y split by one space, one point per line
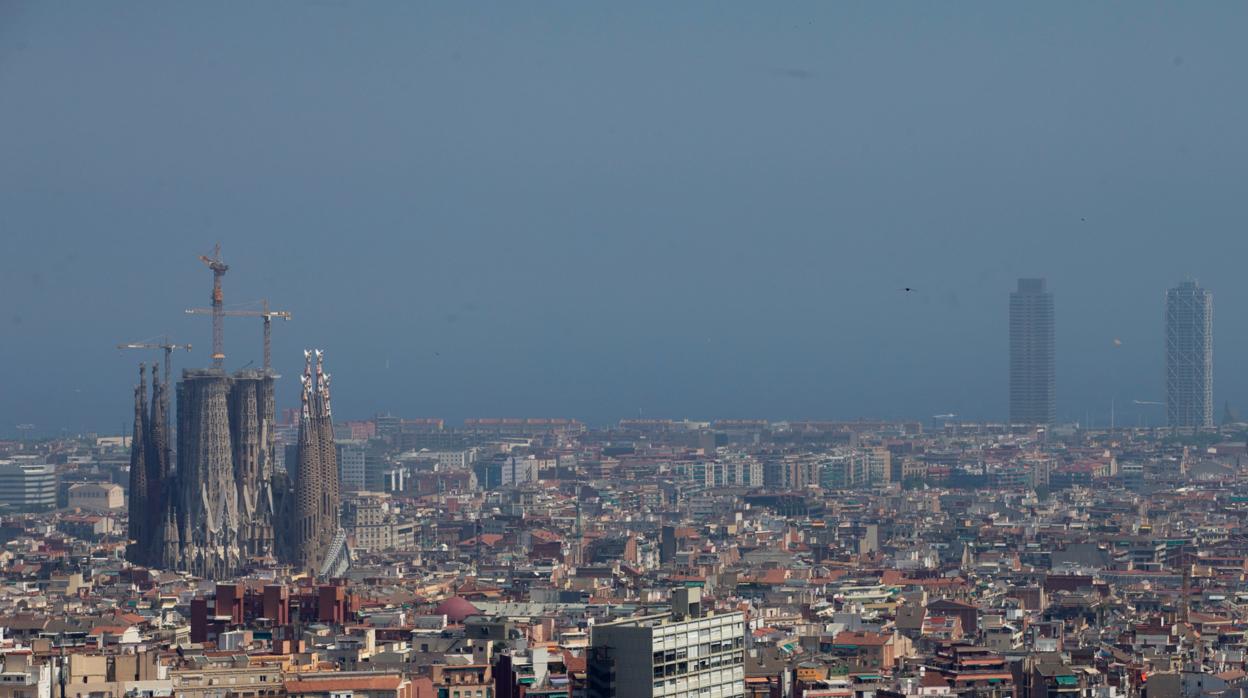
465 693
700 650
706 690
711 662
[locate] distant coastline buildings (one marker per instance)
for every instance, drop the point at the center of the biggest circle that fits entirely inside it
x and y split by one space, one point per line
1033 389
1189 357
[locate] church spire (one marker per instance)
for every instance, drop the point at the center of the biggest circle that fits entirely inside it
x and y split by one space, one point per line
139 532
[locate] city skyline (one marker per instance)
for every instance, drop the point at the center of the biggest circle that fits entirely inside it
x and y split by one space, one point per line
1032 367
703 349
476 236
1023 330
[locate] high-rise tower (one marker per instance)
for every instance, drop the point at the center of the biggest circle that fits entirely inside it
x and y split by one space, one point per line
207 494
314 539
1033 387
1189 356
138 533
252 440
149 470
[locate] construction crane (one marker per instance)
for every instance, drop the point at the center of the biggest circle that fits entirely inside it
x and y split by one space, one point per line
265 313
169 348
218 318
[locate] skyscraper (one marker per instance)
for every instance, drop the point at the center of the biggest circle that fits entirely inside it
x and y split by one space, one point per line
1033 391
1189 356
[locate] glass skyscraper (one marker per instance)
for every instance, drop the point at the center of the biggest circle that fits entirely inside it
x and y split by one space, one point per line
1033 389
1189 356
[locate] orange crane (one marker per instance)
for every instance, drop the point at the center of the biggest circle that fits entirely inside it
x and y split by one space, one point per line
169 348
265 313
218 318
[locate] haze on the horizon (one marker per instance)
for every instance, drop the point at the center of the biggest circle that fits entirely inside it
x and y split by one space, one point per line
563 209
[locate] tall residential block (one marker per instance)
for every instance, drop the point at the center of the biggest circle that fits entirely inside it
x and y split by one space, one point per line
1033 386
352 465
1189 356
682 653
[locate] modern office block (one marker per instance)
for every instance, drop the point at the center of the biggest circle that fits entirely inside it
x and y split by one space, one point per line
1189 356
1033 388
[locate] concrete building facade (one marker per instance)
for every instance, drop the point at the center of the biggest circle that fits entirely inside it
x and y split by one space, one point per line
27 486
680 653
96 496
352 464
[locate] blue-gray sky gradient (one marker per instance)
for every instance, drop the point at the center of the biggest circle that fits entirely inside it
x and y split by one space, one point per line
591 210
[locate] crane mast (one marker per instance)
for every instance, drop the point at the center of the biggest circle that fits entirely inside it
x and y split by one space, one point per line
218 317
268 336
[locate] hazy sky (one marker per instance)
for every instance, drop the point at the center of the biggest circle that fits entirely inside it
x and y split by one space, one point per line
592 209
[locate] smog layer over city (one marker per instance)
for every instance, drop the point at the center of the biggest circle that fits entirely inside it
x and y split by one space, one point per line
575 350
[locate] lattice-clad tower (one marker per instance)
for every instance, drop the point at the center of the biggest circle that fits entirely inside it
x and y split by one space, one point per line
331 498
250 398
158 471
139 532
267 504
208 506
314 523
306 522
1189 356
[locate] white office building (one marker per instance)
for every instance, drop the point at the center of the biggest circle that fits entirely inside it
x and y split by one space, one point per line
26 486
681 653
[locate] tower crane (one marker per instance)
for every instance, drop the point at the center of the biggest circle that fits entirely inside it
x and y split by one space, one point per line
264 313
169 348
165 344
218 318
